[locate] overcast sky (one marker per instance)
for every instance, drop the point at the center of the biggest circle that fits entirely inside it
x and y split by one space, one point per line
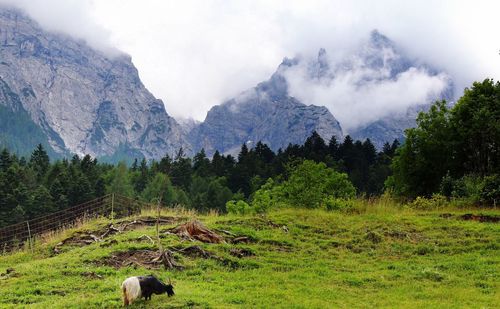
196 54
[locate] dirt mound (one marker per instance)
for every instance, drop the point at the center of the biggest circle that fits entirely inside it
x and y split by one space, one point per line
195 252
91 275
481 218
84 238
150 259
128 225
195 230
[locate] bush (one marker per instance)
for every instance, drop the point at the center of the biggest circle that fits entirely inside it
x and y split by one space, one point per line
270 195
336 204
310 183
472 189
238 207
469 187
437 201
490 193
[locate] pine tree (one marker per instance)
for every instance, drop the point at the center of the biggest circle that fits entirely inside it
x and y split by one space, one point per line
40 161
5 160
201 164
120 181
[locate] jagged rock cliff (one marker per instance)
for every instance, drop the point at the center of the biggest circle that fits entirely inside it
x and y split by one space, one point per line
85 101
265 113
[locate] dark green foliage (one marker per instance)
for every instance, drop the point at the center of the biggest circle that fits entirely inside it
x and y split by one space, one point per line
490 193
475 122
451 147
119 181
38 187
181 171
201 164
159 187
39 161
310 183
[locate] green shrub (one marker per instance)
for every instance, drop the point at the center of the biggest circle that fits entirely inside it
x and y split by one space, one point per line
490 193
270 195
437 201
469 187
336 204
472 189
310 183
238 207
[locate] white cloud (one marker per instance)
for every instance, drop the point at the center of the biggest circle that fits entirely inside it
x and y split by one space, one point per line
196 54
356 102
71 17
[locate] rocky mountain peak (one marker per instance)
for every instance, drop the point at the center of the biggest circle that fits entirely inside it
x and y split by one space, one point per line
86 102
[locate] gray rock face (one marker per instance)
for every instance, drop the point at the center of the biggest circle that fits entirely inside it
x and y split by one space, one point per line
85 101
265 113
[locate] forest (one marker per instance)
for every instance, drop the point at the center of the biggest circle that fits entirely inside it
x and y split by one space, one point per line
451 156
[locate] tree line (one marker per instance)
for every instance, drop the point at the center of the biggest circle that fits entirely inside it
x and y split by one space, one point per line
30 187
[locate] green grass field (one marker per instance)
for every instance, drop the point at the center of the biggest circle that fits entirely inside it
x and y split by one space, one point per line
383 258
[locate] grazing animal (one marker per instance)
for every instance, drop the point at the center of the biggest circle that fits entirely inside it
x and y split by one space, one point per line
144 286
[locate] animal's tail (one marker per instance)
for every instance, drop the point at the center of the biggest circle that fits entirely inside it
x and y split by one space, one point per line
125 298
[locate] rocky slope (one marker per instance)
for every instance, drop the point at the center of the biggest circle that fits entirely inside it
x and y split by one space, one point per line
83 100
265 113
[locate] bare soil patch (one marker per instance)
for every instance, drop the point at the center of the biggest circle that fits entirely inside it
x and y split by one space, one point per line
473 217
150 259
481 218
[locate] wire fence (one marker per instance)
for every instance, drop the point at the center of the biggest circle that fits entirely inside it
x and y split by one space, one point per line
110 206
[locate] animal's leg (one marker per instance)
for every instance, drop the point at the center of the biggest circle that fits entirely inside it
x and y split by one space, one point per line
125 298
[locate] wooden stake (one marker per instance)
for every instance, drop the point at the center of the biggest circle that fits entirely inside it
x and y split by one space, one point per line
112 207
29 235
158 226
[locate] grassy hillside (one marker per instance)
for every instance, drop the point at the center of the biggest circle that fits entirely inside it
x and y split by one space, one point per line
376 258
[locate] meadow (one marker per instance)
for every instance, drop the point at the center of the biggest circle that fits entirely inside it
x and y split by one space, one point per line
378 255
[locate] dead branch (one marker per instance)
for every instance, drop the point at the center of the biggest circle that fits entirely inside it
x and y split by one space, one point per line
142 237
196 230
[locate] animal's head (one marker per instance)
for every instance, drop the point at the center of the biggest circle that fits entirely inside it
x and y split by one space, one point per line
169 288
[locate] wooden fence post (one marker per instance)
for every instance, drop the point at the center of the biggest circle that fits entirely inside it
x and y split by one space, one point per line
29 236
112 207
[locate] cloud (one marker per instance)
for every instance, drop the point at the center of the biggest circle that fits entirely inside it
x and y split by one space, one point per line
368 83
196 54
70 17
355 102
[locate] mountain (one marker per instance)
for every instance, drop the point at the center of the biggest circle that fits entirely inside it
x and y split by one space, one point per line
264 113
381 53
82 100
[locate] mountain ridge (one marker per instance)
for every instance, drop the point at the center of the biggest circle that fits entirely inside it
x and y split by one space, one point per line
92 102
